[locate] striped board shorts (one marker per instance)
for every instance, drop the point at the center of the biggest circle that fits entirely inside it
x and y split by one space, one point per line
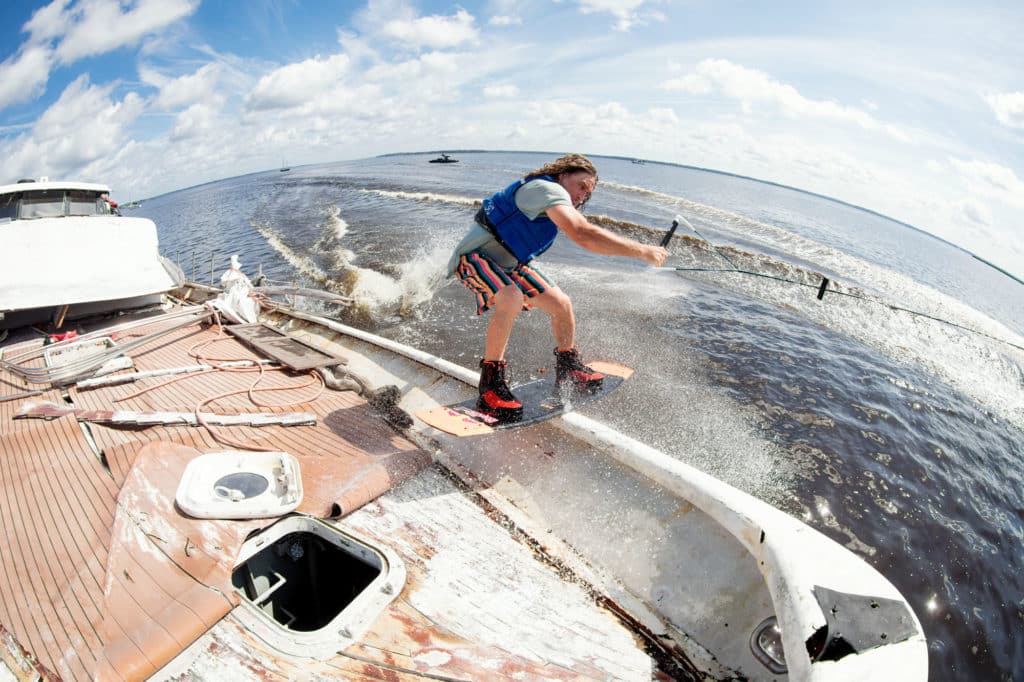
484 278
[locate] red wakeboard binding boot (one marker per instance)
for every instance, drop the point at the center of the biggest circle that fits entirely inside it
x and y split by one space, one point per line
495 396
570 370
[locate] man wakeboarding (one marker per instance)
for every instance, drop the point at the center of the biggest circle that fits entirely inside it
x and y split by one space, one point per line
495 260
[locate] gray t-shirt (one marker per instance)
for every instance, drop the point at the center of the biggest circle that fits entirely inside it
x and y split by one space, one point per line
533 199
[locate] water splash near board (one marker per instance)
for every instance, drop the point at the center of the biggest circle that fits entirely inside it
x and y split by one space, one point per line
542 400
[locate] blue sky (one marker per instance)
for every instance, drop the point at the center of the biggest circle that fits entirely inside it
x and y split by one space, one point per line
911 109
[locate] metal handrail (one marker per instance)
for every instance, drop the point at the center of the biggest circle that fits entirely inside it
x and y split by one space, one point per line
64 373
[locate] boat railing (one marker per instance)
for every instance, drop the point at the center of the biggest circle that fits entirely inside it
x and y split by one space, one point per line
291 289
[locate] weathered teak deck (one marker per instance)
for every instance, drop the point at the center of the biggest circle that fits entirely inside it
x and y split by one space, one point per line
70 594
102 577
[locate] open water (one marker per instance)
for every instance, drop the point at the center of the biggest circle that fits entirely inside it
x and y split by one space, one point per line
889 414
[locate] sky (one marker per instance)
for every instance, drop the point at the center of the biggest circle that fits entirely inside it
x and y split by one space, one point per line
911 109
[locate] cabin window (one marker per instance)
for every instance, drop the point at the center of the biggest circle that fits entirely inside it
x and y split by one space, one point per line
42 204
83 203
8 207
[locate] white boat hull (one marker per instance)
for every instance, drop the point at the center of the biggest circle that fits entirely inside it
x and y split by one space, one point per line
85 260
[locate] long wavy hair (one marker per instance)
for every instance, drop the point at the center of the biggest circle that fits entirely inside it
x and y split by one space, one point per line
570 163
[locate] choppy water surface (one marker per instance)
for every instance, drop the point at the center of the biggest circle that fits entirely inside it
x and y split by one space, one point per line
888 415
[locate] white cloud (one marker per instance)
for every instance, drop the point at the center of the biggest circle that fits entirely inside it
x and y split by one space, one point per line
81 103
195 121
1008 107
23 77
183 91
435 31
99 26
627 12
605 128
48 22
992 180
976 212
691 84
80 29
751 87
295 84
501 91
505 20
82 126
429 65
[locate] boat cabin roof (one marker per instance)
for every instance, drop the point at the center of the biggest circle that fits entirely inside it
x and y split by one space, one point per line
27 200
54 185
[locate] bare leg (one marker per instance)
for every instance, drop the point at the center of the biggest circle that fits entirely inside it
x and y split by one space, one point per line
508 303
557 304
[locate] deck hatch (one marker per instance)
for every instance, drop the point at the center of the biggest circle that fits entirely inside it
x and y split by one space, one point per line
307 585
288 350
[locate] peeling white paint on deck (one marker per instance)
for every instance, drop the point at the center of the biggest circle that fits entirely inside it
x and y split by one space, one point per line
486 587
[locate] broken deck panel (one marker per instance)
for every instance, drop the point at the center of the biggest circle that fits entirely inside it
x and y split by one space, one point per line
288 350
345 433
8 409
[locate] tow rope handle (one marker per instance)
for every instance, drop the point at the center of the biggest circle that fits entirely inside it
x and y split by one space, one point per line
671 231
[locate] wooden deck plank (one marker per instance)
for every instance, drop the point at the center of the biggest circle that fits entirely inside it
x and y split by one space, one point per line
71 553
149 590
63 642
129 607
191 559
15 610
33 544
79 563
74 488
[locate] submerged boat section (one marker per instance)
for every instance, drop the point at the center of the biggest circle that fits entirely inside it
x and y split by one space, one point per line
561 551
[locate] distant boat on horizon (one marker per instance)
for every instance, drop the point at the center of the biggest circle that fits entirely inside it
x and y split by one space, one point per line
285 166
444 158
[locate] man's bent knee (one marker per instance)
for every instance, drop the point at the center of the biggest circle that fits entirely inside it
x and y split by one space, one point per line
555 302
508 297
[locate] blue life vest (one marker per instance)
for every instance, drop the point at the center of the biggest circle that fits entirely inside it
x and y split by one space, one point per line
523 238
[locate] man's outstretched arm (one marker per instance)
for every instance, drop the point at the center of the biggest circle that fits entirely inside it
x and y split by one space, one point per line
599 240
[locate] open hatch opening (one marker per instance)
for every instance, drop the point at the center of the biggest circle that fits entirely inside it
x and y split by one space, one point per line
303 581
309 586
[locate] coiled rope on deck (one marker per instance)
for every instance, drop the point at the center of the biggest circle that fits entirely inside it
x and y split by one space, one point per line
251 390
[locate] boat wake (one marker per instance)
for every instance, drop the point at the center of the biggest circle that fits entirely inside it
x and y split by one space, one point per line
424 196
330 243
302 264
378 295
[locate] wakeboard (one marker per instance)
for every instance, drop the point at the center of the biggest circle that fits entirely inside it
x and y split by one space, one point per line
542 399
